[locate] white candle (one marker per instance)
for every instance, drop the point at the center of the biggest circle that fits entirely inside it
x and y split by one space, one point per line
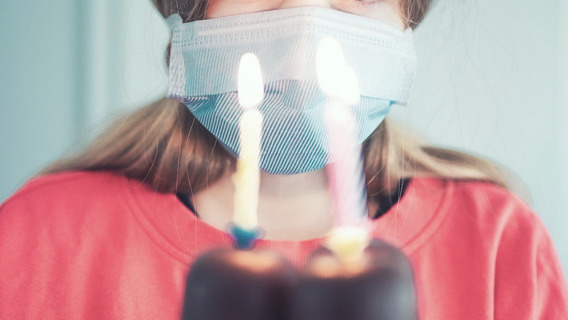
247 176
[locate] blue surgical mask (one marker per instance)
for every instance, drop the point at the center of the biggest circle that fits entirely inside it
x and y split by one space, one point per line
204 63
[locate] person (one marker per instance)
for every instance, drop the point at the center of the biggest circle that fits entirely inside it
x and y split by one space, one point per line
111 232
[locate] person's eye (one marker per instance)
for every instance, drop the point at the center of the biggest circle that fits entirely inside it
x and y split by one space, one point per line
381 10
356 5
369 2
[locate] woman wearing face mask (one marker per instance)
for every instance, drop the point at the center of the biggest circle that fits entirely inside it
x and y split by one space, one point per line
110 233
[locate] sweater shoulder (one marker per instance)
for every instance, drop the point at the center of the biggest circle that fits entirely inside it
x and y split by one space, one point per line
67 185
64 209
486 202
65 196
487 193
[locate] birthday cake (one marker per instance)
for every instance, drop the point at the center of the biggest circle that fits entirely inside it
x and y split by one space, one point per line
259 284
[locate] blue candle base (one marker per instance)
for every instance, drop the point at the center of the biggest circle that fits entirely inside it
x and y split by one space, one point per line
244 239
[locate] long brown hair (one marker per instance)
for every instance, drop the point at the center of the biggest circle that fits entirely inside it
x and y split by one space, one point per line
164 145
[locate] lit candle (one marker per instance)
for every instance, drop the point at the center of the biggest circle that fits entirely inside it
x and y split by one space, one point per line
247 175
346 176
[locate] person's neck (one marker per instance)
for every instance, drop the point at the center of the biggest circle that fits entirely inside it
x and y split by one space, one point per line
291 207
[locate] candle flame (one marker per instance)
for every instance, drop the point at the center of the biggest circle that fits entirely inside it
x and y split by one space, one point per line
250 83
336 79
329 65
350 93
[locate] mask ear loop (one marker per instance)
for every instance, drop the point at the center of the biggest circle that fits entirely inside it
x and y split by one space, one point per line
177 79
174 21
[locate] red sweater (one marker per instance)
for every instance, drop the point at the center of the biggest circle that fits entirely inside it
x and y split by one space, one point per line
99 246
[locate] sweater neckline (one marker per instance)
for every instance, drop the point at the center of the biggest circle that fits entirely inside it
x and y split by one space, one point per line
385 202
173 227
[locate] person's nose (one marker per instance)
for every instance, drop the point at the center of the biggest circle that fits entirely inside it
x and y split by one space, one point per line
305 3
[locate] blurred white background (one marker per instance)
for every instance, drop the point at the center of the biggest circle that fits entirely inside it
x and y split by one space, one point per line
493 80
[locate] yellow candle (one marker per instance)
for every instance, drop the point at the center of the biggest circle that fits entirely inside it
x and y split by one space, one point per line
247 176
